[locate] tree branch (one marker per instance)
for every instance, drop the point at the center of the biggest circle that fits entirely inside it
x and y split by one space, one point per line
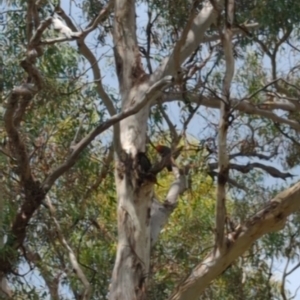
160 213
103 15
181 42
253 154
149 96
33 195
235 31
127 56
51 281
195 36
88 54
250 166
29 21
73 260
271 218
17 146
172 127
240 105
224 124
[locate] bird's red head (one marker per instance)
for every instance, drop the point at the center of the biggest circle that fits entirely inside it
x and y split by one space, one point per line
163 150
159 148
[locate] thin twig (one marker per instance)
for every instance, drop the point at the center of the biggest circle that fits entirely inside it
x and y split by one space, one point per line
73 260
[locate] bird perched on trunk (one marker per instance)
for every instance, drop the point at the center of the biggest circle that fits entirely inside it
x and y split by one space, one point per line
144 168
144 162
166 153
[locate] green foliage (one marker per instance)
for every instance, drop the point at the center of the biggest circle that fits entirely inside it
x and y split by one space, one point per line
68 107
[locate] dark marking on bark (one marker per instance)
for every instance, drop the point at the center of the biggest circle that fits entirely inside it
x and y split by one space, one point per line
143 162
119 64
126 168
234 235
120 170
223 177
140 289
230 119
280 216
226 269
141 171
148 216
137 72
228 243
124 217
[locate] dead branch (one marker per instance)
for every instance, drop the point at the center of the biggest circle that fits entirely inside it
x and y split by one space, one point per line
269 169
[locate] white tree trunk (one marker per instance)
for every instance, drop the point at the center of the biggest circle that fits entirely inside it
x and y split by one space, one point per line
133 254
135 193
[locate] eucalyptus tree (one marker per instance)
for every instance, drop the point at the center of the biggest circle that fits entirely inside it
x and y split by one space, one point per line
231 67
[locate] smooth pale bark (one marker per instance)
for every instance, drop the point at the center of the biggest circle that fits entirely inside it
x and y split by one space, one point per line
271 218
133 129
135 195
160 213
195 36
133 253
